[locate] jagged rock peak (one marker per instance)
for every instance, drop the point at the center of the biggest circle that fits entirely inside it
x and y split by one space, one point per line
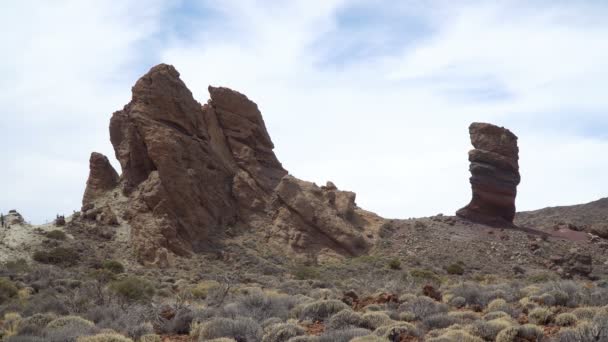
102 178
494 175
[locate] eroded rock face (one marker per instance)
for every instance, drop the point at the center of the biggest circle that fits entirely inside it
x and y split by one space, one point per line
189 172
102 178
494 175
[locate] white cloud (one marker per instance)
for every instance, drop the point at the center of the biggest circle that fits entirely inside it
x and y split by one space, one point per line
390 123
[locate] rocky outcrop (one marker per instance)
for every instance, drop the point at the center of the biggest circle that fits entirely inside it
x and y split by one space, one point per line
102 178
190 171
319 217
494 175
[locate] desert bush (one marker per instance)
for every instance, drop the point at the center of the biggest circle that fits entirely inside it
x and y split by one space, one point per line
540 316
150 338
455 335
56 235
240 328
394 264
565 319
261 305
373 320
464 316
344 319
495 315
407 316
318 310
201 290
8 290
424 275
303 272
397 329
10 324
456 269
113 266
109 337
282 332
68 329
471 292
34 324
458 302
439 321
24 338
423 307
547 299
67 321
341 335
488 330
527 332
57 256
499 305
368 338
584 313
133 289
18 266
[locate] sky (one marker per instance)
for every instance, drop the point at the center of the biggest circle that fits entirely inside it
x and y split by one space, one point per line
374 95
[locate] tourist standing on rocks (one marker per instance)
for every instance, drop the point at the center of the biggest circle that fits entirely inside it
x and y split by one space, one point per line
2 220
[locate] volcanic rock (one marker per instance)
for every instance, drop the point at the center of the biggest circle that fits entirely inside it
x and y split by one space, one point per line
494 175
190 172
102 178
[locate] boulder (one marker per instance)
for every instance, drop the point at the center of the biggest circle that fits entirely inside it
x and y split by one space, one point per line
494 175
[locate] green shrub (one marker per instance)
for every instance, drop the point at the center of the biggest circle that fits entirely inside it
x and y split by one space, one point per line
113 266
8 290
56 235
455 335
133 289
499 304
303 272
35 323
57 256
455 269
394 264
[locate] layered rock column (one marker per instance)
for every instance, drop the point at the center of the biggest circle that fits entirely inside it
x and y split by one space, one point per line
494 175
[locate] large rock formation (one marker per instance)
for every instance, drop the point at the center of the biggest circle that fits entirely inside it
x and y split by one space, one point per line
494 175
190 171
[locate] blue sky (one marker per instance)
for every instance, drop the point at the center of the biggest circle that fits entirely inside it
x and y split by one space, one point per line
374 95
